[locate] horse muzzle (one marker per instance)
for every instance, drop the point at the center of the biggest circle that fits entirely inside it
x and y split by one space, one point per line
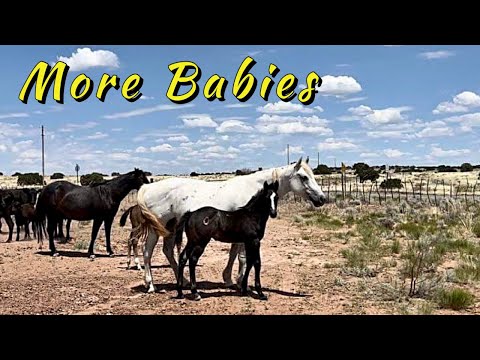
273 214
317 200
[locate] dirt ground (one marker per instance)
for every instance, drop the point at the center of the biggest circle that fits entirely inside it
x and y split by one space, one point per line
294 277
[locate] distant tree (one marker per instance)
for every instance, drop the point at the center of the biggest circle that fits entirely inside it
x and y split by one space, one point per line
466 167
148 173
56 176
29 179
365 172
243 172
1 174
443 168
193 173
260 169
391 184
322 169
360 166
17 174
89 179
115 173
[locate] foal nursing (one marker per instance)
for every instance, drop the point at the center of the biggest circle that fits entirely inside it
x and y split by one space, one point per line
245 225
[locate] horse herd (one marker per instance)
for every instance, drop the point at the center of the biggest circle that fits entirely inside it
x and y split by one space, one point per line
234 211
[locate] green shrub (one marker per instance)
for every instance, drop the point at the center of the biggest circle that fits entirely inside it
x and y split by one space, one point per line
391 184
89 179
56 176
29 179
455 299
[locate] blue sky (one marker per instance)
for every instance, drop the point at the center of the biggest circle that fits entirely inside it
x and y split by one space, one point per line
378 104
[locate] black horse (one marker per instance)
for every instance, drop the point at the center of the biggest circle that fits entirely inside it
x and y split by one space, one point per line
245 225
98 202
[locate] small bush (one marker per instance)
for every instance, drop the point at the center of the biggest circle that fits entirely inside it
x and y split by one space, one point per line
243 172
476 228
29 179
391 184
89 179
455 299
322 169
396 247
56 176
466 167
115 173
193 173
469 269
17 174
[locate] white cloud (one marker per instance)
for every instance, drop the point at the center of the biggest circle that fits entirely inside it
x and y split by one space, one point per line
336 144
339 85
310 120
253 145
293 128
3 148
117 129
98 135
234 126
369 155
432 130
232 149
10 130
118 156
394 153
161 148
13 115
293 150
144 111
145 97
463 102
392 134
198 120
85 58
21 146
433 55
239 105
71 127
30 154
224 137
281 107
181 138
391 115
439 152
141 149
354 99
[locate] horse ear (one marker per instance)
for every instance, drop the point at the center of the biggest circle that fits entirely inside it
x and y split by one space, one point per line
298 164
276 185
308 158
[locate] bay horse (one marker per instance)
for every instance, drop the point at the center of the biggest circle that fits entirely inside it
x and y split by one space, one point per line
165 201
98 202
245 225
135 220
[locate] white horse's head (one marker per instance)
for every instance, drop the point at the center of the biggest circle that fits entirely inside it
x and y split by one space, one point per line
303 183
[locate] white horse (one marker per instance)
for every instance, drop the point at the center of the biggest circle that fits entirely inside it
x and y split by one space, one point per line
165 202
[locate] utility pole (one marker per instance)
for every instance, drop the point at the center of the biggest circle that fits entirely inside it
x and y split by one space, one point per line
335 163
318 159
43 157
288 154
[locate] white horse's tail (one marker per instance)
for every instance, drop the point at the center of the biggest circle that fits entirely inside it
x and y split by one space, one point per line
150 220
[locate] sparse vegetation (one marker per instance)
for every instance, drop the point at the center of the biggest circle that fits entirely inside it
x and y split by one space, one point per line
455 299
469 269
322 169
391 184
115 173
466 167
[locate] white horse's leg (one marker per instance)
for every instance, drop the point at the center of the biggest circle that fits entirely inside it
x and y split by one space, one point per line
242 264
169 251
227 272
150 243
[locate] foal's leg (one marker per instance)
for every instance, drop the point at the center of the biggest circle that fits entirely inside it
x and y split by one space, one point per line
192 264
250 251
108 229
135 252
96 226
257 263
184 256
27 229
129 256
150 243
227 272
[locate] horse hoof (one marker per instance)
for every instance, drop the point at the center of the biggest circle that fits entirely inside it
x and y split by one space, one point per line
111 254
92 257
8 241
243 292
139 268
151 289
197 297
180 296
55 254
263 297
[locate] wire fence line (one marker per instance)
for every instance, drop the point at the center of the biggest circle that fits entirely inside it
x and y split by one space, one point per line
428 190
